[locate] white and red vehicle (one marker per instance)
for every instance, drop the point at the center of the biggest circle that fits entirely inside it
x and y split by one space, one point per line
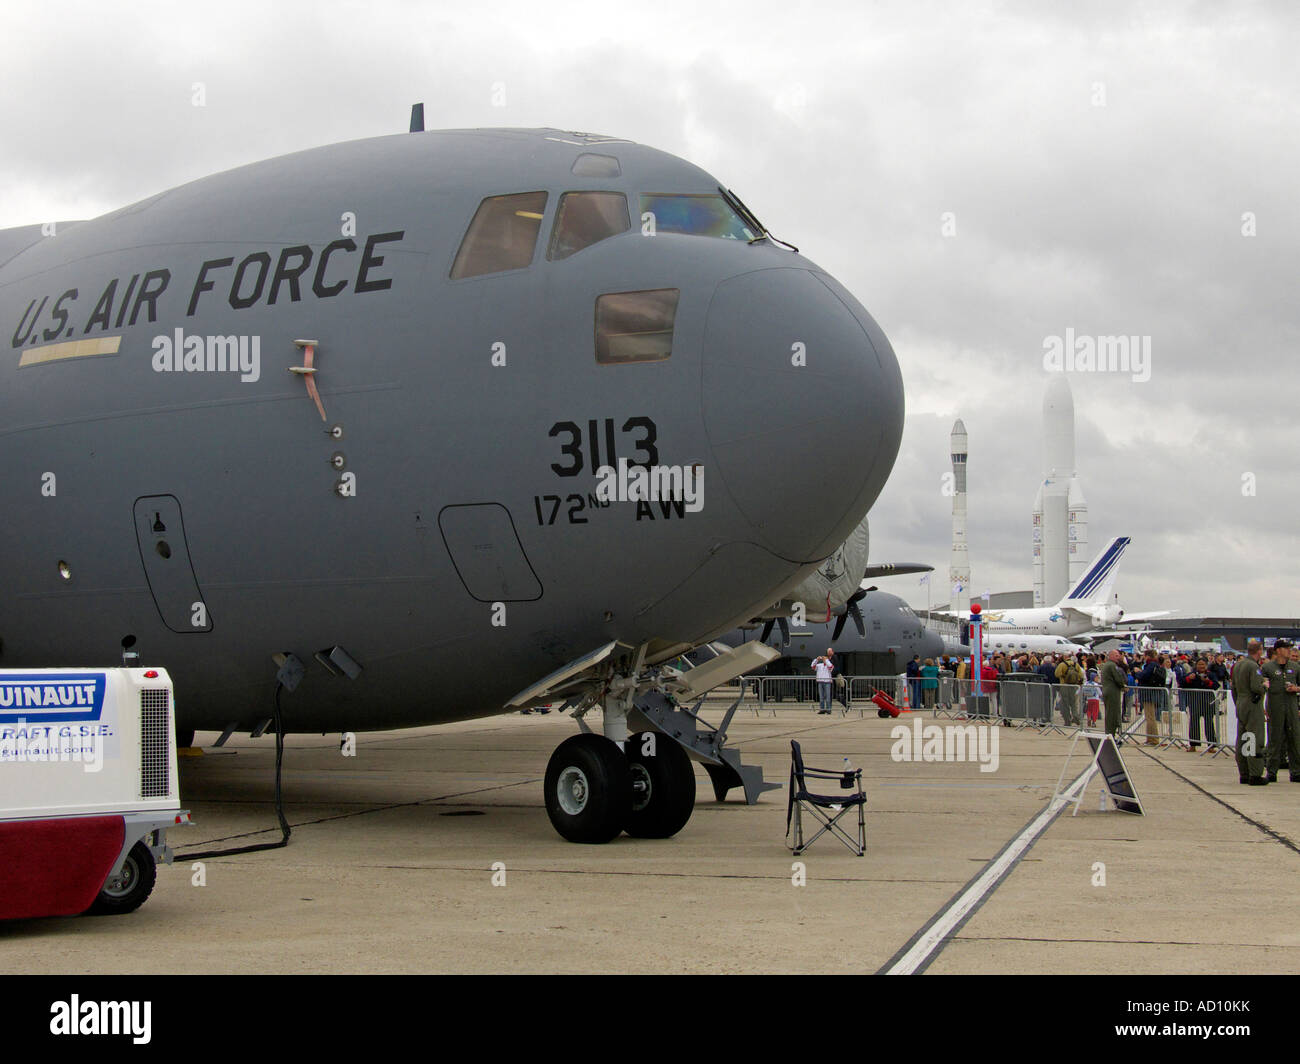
88 788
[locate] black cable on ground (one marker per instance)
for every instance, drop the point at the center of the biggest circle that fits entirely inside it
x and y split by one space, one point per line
279 804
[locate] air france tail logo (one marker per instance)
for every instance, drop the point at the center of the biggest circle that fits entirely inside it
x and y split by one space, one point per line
44 698
1092 580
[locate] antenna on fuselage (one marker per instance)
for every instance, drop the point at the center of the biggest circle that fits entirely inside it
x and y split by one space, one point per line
417 118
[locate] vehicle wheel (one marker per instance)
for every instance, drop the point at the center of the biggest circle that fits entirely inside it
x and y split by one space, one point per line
138 874
588 789
663 787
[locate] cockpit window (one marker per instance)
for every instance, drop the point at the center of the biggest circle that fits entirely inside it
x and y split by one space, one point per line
502 235
635 326
695 215
586 218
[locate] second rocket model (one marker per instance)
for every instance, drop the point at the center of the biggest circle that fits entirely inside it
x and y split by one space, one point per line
1060 528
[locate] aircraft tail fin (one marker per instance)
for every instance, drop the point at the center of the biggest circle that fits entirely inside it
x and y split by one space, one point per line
1098 580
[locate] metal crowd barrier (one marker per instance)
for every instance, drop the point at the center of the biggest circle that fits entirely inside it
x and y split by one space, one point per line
950 697
1182 718
1147 716
862 689
798 692
1185 719
1206 716
770 693
746 687
1026 703
1045 707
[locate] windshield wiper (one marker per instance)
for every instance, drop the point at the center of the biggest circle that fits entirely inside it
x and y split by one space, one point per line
748 217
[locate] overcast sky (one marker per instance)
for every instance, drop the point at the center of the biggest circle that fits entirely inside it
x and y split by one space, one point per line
1096 170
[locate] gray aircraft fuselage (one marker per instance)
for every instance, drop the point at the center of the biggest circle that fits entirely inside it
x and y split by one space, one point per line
441 523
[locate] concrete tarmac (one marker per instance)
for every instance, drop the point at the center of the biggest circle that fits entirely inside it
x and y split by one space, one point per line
390 867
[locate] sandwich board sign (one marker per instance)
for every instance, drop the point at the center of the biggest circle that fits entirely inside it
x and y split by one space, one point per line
1109 764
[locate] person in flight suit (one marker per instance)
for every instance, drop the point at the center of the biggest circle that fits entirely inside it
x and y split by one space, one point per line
1283 711
1113 685
1248 688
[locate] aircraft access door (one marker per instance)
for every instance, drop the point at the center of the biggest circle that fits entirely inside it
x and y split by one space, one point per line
487 554
160 533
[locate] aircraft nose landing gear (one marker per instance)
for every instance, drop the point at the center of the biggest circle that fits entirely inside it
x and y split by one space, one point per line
642 783
594 790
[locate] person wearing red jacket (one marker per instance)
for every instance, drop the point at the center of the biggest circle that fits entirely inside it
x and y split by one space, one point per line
989 676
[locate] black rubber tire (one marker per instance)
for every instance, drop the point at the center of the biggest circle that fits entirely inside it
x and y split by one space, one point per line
184 739
142 871
662 810
603 807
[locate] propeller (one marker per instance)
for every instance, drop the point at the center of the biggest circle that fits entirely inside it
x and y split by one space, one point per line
785 629
851 609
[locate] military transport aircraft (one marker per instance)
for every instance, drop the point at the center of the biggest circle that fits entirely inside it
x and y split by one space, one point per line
889 627
431 427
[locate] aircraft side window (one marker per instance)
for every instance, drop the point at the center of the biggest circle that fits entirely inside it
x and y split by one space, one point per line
502 236
586 218
635 326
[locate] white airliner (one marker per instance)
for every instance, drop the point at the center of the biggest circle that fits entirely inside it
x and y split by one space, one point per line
1016 642
1088 606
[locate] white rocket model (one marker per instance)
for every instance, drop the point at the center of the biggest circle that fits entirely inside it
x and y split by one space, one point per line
1060 538
959 567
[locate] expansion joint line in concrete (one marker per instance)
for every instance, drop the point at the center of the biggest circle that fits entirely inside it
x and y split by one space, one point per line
1276 836
921 949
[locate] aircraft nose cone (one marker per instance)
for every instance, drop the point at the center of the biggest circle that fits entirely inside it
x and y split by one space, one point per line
803 403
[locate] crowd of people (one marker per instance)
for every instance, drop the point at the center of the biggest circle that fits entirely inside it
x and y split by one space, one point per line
1264 693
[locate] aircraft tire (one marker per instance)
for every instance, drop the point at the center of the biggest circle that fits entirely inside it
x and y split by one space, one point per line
588 789
661 809
139 872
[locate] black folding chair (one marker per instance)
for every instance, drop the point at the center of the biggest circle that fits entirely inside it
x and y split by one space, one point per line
826 808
